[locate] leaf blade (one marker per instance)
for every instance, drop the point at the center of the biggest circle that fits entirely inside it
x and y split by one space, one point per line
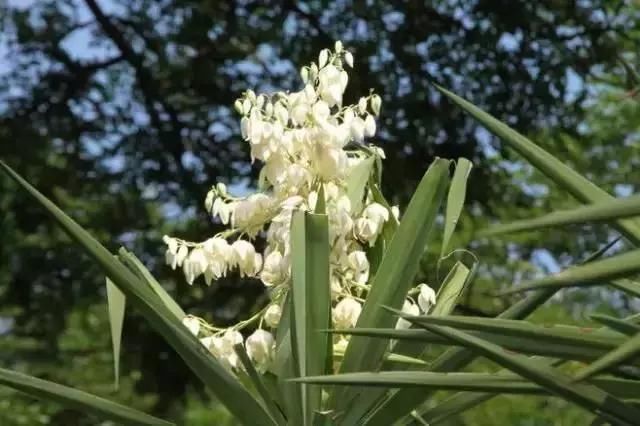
451 289
466 382
455 201
311 300
132 262
74 398
395 273
357 182
403 401
589 397
259 385
617 356
604 211
571 181
116 302
611 268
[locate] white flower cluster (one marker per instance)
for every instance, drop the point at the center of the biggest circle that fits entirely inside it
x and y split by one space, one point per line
303 139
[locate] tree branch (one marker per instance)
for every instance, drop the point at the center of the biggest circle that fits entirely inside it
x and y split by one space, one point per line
151 92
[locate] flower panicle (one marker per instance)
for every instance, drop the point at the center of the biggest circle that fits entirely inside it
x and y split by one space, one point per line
303 139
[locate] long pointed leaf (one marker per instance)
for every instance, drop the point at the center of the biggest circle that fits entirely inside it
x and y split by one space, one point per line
286 366
451 289
259 385
473 382
400 403
311 300
116 301
627 286
132 262
598 212
580 346
395 274
556 170
587 396
618 266
357 182
221 382
73 398
623 326
390 358
455 201
627 351
465 400
520 328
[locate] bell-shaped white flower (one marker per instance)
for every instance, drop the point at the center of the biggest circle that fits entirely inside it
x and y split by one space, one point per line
296 178
408 308
261 349
222 347
281 113
320 111
340 221
336 286
346 313
275 269
376 212
366 230
362 105
426 297
272 315
357 129
245 257
332 83
249 214
195 264
222 210
171 255
360 265
329 162
192 324
369 126
299 113
219 255
207 342
369 226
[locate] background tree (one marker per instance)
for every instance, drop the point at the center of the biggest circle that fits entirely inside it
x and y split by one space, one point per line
122 112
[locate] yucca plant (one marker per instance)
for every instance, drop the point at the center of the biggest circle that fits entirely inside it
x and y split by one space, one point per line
348 338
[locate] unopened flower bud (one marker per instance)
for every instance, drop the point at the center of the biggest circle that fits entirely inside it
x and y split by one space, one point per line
238 106
192 324
323 57
348 58
376 102
426 298
272 315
